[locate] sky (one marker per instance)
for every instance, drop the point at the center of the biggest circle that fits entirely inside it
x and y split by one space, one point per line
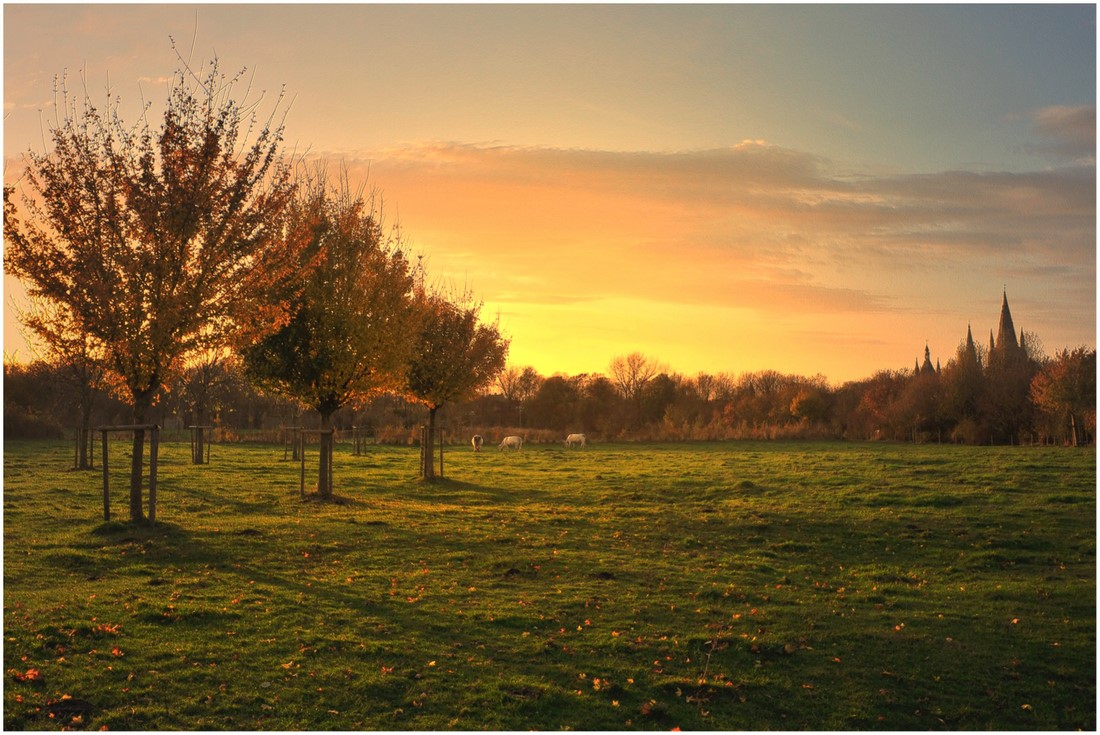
813 189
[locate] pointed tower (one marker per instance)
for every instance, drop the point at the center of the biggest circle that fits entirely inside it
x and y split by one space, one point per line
970 352
927 367
1006 332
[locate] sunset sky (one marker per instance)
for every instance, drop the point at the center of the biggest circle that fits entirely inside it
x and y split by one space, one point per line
811 189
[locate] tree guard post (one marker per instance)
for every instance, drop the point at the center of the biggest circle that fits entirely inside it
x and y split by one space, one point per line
154 443
292 442
302 459
106 480
200 444
80 434
424 459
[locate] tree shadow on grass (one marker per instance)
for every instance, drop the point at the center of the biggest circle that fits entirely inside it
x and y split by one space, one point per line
335 500
446 490
161 543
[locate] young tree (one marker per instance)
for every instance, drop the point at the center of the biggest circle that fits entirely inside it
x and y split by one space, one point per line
154 243
351 326
455 356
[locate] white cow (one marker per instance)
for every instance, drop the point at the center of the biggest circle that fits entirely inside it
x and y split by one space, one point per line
511 442
575 440
476 442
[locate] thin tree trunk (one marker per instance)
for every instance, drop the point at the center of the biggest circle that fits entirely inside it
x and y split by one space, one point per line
83 461
429 450
198 437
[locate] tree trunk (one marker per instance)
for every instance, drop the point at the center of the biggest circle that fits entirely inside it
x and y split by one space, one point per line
324 474
83 459
137 460
85 454
429 449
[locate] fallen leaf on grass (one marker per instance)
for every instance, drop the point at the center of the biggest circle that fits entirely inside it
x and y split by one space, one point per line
31 675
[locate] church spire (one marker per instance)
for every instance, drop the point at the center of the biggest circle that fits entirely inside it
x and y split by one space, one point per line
927 367
970 352
1006 332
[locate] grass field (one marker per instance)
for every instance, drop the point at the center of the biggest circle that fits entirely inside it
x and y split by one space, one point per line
709 586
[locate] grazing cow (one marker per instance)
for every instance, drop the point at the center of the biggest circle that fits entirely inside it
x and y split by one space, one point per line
476 442
511 442
576 440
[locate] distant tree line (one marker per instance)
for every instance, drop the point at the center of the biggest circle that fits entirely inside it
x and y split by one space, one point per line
973 399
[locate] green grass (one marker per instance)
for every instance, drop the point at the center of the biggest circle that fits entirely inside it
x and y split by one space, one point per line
705 586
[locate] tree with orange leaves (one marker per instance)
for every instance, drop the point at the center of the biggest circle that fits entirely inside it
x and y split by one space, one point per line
349 331
159 244
455 355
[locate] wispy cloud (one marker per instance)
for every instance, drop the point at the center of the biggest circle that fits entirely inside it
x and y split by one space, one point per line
764 204
1067 131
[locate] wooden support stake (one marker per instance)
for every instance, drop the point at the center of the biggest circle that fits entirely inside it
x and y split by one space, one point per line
302 456
154 443
106 482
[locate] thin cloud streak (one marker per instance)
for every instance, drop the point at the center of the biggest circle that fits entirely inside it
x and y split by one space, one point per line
1071 130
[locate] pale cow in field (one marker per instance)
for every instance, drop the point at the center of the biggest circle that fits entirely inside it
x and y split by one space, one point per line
476 442
576 440
511 442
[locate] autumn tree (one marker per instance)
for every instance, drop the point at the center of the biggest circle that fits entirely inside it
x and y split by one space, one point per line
1065 388
455 355
555 403
350 327
630 374
518 386
963 386
508 382
601 406
155 243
